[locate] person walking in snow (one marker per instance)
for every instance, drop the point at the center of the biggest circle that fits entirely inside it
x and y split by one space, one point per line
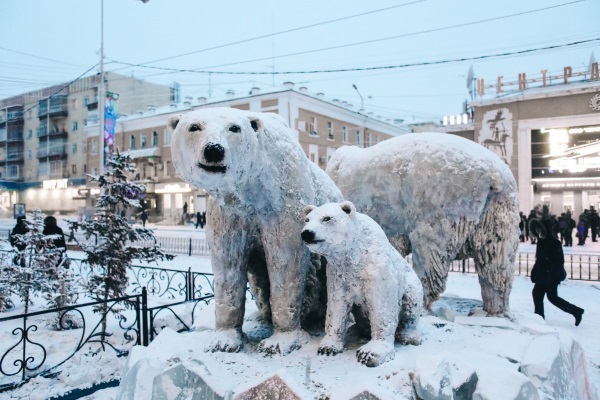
52 228
549 270
594 223
581 232
198 218
144 217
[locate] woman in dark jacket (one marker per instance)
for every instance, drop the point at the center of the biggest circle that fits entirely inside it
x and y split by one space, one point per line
549 269
52 228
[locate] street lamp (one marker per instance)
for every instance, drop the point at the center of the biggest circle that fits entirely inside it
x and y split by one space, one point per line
362 102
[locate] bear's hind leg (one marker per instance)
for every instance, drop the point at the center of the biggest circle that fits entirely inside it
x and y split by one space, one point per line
412 308
495 244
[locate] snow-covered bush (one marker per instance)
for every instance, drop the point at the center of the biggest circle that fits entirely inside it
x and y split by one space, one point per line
110 246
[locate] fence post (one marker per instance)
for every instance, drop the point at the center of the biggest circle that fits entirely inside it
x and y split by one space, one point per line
190 251
188 294
144 317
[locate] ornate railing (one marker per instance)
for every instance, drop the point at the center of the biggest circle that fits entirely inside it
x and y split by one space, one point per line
32 351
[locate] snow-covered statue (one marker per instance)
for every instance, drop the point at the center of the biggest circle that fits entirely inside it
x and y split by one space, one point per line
438 196
367 277
259 181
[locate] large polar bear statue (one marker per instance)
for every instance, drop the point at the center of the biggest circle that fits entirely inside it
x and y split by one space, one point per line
438 196
259 181
367 277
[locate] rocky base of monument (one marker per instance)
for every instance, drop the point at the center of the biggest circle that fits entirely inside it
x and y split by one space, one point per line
461 357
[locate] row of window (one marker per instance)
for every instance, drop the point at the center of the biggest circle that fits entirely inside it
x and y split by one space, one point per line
312 130
143 141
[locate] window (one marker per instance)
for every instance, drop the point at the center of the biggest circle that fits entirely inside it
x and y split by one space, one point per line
167 137
29 154
154 139
132 142
29 134
74 104
376 139
86 101
144 140
84 168
94 146
313 153
329 130
75 126
74 148
74 169
312 128
358 137
369 142
344 134
85 146
95 171
166 168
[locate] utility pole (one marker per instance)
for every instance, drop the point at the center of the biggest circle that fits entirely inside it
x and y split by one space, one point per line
361 111
101 94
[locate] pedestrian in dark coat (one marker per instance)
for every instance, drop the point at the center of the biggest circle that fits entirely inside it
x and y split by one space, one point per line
571 224
581 232
198 218
52 228
532 215
19 229
594 223
203 223
549 269
144 217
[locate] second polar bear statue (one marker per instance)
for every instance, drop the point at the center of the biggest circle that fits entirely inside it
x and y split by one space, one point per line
367 277
438 196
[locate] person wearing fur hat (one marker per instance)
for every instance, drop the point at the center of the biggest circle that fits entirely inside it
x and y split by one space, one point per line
548 270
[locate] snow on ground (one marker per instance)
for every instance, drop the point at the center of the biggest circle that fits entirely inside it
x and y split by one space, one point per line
85 369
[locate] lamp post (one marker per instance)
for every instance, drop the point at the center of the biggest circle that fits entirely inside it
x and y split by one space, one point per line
361 111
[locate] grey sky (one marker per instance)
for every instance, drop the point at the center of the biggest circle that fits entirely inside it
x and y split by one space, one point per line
45 42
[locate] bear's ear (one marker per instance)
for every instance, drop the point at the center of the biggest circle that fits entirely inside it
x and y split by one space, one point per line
173 121
348 208
308 209
256 124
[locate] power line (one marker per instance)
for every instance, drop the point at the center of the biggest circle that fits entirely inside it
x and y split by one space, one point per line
399 36
416 64
38 57
285 31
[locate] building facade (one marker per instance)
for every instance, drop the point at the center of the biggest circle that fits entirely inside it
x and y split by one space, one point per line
320 125
43 143
549 135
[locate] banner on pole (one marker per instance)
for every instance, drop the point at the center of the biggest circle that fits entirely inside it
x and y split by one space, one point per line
110 120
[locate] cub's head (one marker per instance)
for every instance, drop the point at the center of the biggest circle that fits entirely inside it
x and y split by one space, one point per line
213 147
330 228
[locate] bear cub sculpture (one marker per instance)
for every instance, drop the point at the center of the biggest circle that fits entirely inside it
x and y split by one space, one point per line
367 277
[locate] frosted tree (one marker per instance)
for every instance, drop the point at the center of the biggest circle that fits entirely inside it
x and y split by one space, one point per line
36 267
111 243
5 281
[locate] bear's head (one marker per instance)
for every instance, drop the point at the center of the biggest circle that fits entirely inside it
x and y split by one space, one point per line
330 229
215 148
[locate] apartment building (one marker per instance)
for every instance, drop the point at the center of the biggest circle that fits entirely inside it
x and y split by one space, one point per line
321 125
43 144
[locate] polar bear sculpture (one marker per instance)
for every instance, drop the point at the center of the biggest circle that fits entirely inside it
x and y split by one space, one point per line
438 196
365 276
259 181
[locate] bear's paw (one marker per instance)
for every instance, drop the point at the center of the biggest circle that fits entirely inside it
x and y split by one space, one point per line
376 352
227 341
283 342
330 346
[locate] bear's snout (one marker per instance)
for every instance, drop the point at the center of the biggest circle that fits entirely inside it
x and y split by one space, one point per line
308 236
214 153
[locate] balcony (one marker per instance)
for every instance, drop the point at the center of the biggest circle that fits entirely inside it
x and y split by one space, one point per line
43 132
92 104
14 115
15 157
58 107
53 151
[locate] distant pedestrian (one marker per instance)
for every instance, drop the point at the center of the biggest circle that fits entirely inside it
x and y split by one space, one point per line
51 228
144 217
549 269
594 223
203 220
198 218
581 232
20 228
532 215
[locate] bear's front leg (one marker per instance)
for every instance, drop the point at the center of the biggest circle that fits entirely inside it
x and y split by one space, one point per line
287 262
338 310
229 243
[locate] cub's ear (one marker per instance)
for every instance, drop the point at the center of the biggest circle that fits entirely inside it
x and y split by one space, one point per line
256 124
173 121
349 208
308 209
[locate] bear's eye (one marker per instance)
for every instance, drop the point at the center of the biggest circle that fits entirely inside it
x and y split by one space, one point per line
235 129
194 128
306 219
326 219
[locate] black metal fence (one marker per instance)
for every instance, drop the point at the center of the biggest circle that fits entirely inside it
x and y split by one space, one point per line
582 267
27 355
